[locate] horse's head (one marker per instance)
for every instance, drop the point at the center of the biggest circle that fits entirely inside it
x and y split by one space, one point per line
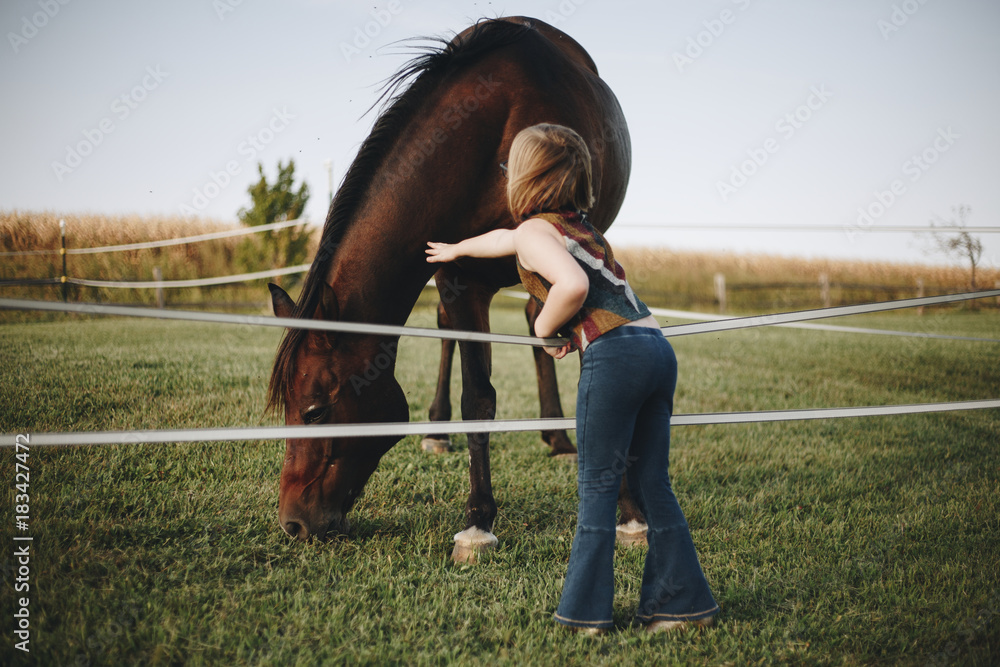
327 378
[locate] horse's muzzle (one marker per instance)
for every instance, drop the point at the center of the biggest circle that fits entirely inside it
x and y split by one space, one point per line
304 530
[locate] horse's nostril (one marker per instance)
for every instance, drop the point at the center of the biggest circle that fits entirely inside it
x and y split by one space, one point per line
294 529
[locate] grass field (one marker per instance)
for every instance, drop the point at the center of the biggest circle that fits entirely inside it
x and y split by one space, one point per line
861 541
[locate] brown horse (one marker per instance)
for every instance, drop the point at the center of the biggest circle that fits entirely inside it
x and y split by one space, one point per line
429 170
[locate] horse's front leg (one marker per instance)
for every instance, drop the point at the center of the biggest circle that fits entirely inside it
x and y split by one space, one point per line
469 310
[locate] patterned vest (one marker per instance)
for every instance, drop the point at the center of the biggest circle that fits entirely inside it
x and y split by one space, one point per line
610 302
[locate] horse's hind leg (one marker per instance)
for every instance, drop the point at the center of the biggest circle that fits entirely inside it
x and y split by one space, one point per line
441 406
548 390
631 522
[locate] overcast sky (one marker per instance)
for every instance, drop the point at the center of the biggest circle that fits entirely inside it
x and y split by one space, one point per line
742 112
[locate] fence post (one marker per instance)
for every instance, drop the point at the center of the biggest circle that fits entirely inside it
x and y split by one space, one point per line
328 165
824 289
158 277
997 285
720 291
920 294
62 251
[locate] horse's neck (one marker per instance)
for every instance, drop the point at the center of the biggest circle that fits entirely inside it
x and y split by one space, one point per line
413 197
377 275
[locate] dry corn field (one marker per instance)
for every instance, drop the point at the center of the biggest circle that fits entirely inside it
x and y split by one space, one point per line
664 277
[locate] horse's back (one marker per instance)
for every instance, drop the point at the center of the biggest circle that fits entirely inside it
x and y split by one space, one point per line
556 81
569 46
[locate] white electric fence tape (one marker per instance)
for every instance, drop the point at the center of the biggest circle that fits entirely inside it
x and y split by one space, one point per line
193 282
452 427
913 229
284 322
291 223
776 319
692 315
416 428
727 324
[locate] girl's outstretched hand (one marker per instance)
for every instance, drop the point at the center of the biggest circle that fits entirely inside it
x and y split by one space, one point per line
441 252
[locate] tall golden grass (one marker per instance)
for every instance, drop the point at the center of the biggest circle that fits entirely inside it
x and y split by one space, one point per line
20 231
662 276
687 278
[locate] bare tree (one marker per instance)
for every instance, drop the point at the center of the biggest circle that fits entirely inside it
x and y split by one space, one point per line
953 239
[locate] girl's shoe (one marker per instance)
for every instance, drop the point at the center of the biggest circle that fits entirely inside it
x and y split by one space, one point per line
592 632
668 626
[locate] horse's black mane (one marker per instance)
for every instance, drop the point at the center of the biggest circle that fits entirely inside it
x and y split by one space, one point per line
426 71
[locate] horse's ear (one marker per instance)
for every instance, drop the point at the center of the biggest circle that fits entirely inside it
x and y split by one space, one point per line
280 301
329 308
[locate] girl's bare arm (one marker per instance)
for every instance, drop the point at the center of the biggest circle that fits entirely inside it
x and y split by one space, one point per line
539 248
498 243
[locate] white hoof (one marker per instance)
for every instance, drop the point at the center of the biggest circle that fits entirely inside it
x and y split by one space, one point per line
435 445
571 457
631 533
470 543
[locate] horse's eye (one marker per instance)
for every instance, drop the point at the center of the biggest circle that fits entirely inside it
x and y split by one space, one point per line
315 414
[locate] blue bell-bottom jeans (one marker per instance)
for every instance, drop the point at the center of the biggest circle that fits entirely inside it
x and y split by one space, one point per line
624 403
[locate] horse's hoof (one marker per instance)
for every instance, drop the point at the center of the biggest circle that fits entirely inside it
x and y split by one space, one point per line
470 543
436 445
570 456
558 442
631 533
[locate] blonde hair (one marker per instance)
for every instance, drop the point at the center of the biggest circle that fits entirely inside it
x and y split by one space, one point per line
548 169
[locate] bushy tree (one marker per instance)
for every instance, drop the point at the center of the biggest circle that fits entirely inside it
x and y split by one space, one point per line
953 239
275 203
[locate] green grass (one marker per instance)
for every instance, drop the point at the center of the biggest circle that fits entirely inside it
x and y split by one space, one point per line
860 541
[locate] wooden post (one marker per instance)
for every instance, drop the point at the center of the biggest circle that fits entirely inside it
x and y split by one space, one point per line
997 285
824 289
158 277
920 294
62 251
720 291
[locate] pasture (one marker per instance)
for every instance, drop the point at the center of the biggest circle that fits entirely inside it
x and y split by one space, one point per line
858 541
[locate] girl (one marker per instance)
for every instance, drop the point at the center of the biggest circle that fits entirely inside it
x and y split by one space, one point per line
627 377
